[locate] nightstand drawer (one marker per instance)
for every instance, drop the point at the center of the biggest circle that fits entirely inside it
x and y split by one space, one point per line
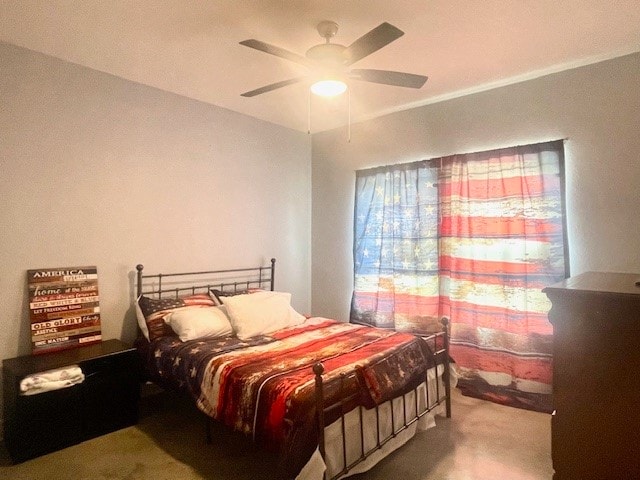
109 399
53 423
123 362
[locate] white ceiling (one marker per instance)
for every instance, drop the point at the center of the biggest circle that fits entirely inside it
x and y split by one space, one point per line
191 47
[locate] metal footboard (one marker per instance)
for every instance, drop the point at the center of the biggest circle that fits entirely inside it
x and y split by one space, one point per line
439 344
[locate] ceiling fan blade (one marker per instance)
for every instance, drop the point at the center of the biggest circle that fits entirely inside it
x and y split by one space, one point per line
382 35
278 52
387 77
273 86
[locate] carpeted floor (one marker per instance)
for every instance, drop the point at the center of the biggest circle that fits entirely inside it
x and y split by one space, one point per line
483 441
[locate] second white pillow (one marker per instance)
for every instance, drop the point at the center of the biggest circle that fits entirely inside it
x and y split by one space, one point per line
191 323
258 313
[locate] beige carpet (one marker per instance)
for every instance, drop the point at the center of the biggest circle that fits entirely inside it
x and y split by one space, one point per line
482 441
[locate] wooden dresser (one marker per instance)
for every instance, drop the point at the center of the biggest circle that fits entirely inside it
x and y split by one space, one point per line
595 430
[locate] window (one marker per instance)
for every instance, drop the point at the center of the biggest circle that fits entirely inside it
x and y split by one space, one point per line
473 238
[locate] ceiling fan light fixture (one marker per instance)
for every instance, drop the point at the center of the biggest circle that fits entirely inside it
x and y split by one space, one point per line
329 88
328 63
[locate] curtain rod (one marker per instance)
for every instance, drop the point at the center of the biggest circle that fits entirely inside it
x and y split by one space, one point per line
366 171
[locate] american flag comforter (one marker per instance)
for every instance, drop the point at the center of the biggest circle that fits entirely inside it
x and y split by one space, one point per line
264 387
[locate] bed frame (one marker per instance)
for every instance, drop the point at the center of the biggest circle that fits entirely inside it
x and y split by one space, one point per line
263 277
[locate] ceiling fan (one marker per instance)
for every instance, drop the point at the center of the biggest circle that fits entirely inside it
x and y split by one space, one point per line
328 62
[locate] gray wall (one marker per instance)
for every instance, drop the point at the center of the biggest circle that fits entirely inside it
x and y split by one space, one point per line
96 170
597 108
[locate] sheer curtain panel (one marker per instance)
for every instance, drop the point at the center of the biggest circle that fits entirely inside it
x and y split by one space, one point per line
501 242
396 247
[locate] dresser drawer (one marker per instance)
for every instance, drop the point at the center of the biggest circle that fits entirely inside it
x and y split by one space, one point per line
109 399
44 422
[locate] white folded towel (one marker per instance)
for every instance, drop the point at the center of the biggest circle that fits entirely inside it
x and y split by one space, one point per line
51 380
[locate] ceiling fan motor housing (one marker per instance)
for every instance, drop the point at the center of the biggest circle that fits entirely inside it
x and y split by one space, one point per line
327 54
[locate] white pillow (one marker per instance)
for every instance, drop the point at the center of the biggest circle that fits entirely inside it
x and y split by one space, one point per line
142 322
259 313
191 323
295 318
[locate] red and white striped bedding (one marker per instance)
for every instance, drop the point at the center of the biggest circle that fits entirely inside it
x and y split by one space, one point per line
264 387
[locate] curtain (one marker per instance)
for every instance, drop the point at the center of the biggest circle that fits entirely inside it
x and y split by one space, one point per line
501 243
396 248
473 238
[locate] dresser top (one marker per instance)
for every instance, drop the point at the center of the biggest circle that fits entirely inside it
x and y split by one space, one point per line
28 364
604 282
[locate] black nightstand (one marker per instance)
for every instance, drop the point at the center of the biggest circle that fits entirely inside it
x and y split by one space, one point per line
107 400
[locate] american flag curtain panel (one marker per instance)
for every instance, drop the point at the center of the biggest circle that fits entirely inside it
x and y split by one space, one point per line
396 248
474 238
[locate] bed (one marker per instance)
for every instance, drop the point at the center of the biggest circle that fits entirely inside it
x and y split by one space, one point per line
331 399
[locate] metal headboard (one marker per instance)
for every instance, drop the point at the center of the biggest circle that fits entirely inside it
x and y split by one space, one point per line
231 280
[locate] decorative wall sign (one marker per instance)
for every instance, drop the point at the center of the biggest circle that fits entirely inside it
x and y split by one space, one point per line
64 308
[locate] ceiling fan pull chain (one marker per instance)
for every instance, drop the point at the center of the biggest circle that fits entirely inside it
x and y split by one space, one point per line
309 112
349 116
